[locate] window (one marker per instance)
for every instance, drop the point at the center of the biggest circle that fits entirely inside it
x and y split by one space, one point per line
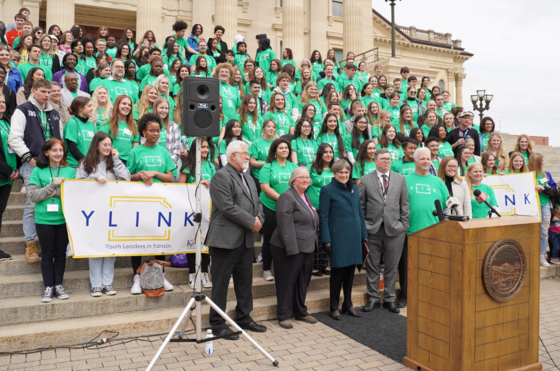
339 55
441 85
337 8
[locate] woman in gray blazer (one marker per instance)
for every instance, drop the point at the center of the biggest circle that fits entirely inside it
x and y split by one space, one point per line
292 246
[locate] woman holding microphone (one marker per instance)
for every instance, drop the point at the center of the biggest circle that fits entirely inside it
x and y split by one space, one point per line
292 245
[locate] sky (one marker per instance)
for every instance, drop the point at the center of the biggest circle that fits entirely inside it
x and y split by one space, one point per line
515 55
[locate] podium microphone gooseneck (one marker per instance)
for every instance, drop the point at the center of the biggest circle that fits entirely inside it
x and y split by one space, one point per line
439 211
482 197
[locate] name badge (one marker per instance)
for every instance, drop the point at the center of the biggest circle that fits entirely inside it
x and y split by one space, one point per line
10 150
127 131
52 208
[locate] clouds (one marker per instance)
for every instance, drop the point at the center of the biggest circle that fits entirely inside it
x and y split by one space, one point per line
515 55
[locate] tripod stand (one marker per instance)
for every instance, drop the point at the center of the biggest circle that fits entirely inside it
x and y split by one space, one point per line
195 303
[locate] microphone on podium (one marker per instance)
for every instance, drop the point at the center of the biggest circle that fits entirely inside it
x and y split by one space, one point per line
481 197
452 204
438 211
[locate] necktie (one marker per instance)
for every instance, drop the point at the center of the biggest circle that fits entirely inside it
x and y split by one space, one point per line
385 185
245 183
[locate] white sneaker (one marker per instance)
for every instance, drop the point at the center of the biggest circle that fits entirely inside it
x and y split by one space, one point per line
267 276
191 280
167 286
136 287
544 263
23 190
206 280
231 279
48 295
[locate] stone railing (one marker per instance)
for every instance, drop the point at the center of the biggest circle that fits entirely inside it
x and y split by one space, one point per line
369 57
429 35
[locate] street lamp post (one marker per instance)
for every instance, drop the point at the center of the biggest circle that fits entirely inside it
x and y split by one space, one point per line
393 50
481 101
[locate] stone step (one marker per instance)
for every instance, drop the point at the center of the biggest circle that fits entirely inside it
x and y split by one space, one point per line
142 323
16 186
13 212
82 304
12 245
17 198
12 228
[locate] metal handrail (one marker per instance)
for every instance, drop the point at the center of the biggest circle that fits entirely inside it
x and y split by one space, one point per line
364 56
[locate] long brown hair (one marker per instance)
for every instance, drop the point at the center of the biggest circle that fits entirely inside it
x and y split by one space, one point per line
536 164
43 160
402 121
92 157
384 141
114 120
524 168
485 156
529 148
244 110
443 164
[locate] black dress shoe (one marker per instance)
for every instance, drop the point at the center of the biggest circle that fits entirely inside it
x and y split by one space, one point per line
401 302
326 272
351 312
317 274
335 315
371 305
225 332
253 327
391 307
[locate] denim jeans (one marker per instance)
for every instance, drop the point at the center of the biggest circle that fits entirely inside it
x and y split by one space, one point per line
545 212
101 271
29 210
554 243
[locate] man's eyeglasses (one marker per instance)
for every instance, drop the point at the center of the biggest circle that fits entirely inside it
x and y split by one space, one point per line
384 159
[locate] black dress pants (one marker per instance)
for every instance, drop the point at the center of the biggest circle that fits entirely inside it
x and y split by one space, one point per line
292 277
204 262
54 241
4 195
225 263
268 228
342 278
403 271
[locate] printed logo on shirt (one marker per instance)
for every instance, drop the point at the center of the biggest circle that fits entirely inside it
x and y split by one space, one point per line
88 134
327 179
284 177
424 189
152 161
121 91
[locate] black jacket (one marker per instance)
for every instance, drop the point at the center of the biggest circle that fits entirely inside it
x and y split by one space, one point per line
453 136
5 169
11 102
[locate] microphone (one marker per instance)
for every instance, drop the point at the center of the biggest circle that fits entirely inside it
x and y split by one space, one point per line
438 211
452 204
482 197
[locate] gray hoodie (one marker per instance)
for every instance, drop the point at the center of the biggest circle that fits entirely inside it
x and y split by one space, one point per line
120 172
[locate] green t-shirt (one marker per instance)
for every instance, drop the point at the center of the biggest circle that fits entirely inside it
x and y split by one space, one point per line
318 181
413 104
395 115
271 77
396 153
251 130
46 60
290 99
448 105
480 211
542 181
210 61
277 177
207 171
183 43
402 167
264 58
259 151
9 154
117 88
317 67
156 158
426 129
24 68
320 108
305 150
283 122
367 100
222 148
230 100
168 61
111 52
288 61
82 134
344 81
239 60
445 149
42 178
321 84
89 63
330 139
124 140
357 169
526 157
436 163
95 83
423 190
348 144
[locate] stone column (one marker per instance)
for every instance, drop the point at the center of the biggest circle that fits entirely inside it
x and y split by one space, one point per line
226 16
292 28
352 26
148 17
34 6
459 89
451 83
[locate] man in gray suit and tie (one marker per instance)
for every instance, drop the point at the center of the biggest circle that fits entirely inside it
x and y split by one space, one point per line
384 197
237 214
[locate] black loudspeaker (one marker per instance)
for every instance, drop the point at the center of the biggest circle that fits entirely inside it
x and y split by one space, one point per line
201 107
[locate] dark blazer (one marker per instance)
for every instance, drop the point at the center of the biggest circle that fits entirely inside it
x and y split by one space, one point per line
453 137
233 210
392 211
295 225
422 118
11 103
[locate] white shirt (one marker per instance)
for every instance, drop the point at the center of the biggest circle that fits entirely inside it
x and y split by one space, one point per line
380 176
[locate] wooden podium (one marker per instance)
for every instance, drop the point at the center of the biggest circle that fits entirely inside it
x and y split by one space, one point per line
453 321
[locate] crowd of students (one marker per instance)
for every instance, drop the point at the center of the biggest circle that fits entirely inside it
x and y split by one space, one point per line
94 108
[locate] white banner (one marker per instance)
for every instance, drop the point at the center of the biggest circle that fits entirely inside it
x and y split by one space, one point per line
516 194
131 218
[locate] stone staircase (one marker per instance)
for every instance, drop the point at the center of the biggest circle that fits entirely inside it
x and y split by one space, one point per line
26 323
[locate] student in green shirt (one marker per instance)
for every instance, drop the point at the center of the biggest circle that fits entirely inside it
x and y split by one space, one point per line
330 133
172 54
448 121
523 146
117 85
328 79
259 149
274 177
149 162
447 105
202 52
232 132
405 165
288 57
101 73
364 161
316 62
429 123
155 71
439 132
487 127
320 172
349 77
517 164
241 56
277 112
265 56
394 107
44 191
88 58
201 68
474 177
180 29
79 131
424 86
283 86
310 94
8 164
257 74
304 146
377 119
248 116
49 56
34 53
432 144
348 96
367 95
405 124
231 100
122 128
423 190
146 102
273 72
354 140
390 142
415 104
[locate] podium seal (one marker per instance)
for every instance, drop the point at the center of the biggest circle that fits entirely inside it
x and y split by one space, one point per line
504 269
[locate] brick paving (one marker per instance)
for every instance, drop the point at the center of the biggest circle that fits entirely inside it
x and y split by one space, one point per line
305 347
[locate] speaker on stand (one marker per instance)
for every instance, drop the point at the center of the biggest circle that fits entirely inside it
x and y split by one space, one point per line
201 107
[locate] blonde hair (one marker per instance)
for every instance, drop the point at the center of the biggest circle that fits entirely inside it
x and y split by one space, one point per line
536 164
50 51
95 104
468 178
157 82
501 150
452 125
166 119
144 102
510 167
427 123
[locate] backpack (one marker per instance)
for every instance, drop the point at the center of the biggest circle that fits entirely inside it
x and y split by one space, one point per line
151 277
